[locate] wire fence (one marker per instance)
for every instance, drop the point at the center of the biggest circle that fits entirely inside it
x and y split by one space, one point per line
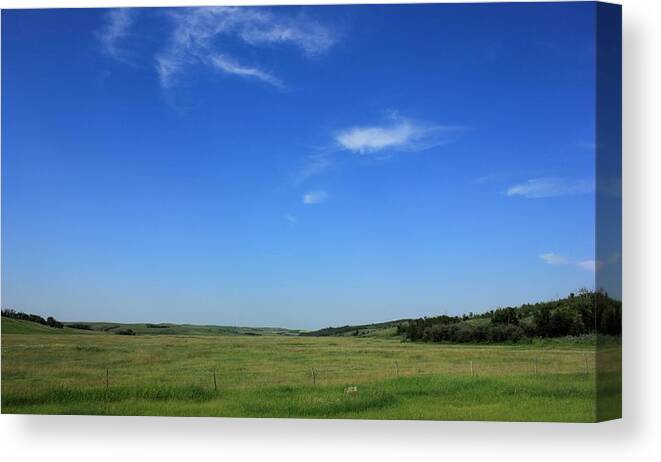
240 365
215 376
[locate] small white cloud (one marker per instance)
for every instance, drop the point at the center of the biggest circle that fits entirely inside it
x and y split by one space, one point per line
397 134
553 258
590 265
291 218
315 197
556 259
401 134
551 187
119 22
370 139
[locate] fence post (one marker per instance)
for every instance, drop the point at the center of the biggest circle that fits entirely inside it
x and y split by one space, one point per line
215 385
471 368
314 378
585 359
107 379
534 365
396 369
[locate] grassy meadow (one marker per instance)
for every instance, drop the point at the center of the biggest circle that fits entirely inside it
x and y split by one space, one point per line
69 371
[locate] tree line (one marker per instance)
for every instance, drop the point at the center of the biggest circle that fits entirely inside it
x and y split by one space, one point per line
49 321
578 314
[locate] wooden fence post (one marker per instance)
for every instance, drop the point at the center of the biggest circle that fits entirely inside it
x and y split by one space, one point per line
215 385
107 379
396 369
534 365
314 378
472 369
585 359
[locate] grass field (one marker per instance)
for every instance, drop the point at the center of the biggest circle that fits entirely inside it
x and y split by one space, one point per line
67 371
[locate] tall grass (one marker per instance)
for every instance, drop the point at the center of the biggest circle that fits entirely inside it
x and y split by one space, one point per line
65 395
269 376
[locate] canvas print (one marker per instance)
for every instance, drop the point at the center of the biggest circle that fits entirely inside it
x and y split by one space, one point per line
342 211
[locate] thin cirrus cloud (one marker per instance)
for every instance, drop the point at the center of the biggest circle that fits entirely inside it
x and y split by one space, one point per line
230 66
555 259
313 165
315 197
199 33
114 31
540 188
200 37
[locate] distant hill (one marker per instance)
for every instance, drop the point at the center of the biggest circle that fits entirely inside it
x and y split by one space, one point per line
20 326
576 315
381 329
14 322
176 329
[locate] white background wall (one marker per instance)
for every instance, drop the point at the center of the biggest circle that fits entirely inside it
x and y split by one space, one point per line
636 437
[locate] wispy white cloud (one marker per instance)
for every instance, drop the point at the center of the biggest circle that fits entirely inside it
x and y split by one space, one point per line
199 34
552 258
589 265
291 218
315 197
230 66
396 134
551 187
314 164
311 37
117 27
400 134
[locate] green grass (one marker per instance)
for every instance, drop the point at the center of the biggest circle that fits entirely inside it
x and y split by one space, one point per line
271 376
551 398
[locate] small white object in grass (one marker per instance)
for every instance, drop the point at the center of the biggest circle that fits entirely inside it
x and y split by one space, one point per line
351 391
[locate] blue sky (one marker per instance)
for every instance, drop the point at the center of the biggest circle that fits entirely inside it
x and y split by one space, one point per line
298 167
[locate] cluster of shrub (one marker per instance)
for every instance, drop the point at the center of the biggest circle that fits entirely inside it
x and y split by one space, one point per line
351 330
125 332
112 329
49 321
585 313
